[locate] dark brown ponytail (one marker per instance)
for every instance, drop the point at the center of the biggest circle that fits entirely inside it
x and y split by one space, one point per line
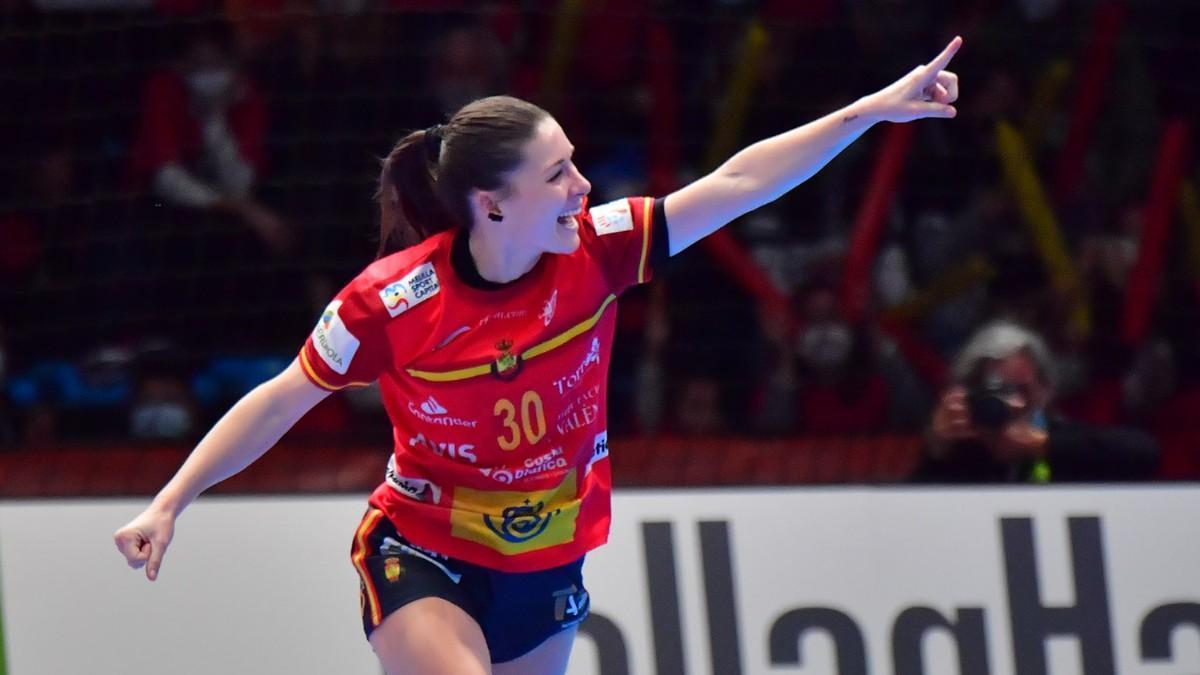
409 210
426 182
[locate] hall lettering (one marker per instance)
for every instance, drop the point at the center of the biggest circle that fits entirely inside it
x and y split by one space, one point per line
1032 623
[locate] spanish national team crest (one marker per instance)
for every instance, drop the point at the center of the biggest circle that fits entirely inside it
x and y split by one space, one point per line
392 570
507 365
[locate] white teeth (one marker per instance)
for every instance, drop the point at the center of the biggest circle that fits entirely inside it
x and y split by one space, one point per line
570 214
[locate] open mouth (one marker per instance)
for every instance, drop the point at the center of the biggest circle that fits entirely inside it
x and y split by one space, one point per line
568 217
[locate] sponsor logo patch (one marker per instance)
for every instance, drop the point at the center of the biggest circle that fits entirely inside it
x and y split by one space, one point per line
411 290
415 488
432 407
513 522
551 464
570 605
463 451
572 380
599 450
612 217
432 412
335 344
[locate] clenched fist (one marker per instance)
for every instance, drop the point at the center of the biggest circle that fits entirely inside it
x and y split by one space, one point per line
145 539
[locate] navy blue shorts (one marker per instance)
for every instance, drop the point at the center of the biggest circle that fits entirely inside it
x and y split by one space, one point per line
517 612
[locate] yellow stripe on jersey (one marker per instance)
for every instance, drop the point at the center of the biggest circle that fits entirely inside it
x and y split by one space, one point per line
647 214
569 334
534 351
451 375
516 522
312 373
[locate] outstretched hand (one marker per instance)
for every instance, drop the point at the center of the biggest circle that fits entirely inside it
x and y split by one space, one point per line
926 91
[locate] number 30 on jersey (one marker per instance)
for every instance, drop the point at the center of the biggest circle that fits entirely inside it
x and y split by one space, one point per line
531 417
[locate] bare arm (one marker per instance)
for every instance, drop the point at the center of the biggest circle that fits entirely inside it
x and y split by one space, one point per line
768 169
244 434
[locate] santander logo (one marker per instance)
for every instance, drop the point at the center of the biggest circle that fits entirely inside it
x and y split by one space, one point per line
431 407
432 412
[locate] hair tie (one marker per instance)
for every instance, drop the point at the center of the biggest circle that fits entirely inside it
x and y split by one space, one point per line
433 142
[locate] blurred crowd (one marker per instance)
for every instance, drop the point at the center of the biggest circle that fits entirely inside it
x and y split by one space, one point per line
186 183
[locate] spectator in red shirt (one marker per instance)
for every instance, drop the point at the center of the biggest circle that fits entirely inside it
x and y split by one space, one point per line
841 390
827 376
200 139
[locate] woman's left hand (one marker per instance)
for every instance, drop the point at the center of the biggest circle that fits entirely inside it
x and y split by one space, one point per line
926 91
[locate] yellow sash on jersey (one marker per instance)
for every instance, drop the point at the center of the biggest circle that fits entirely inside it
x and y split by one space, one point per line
533 352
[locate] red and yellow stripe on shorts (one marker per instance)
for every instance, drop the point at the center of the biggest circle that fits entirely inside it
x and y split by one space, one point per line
359 557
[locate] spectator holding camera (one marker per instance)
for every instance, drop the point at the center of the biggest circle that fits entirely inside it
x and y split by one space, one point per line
994 423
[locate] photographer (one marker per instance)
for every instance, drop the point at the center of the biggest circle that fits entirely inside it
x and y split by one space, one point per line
993 424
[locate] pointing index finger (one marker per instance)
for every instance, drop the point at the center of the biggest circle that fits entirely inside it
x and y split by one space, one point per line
937 65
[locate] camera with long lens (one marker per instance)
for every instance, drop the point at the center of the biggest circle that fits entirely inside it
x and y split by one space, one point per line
988 404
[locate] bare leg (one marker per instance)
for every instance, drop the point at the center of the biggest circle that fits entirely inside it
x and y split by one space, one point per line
548 658
431 637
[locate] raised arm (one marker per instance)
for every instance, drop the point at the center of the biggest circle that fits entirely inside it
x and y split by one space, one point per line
766 170
244 434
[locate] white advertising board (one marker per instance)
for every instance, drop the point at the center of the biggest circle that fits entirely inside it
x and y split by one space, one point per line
1054 581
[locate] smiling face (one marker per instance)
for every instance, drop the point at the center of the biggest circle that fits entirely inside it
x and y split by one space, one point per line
543 197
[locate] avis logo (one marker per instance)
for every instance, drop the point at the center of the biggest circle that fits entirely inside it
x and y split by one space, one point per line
464 451
521 523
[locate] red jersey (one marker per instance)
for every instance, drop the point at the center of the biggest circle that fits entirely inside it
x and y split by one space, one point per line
496 393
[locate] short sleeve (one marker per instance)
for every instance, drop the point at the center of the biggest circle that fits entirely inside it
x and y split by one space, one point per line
630 237
348 346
